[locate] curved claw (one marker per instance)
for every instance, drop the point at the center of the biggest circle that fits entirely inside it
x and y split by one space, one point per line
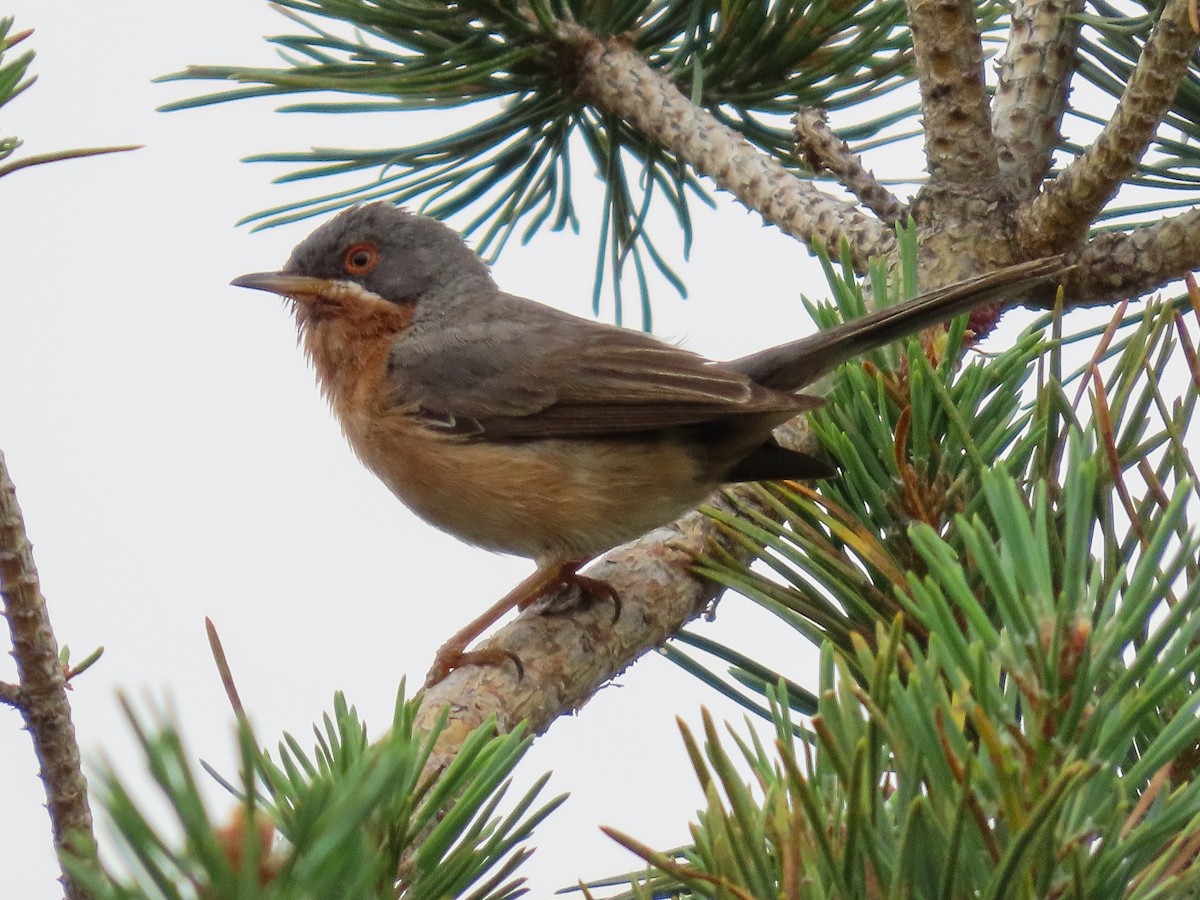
454 654
591 590
450 658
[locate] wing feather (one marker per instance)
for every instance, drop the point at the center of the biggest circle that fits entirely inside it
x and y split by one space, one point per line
523 370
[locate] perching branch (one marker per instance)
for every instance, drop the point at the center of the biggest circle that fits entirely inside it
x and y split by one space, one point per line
1034 79
1068 206
824 151
42 697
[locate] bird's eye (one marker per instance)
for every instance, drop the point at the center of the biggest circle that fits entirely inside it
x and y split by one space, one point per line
361 258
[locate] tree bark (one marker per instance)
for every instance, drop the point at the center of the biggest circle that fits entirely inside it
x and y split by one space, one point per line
41 696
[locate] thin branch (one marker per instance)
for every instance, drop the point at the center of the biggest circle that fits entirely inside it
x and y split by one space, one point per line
59 155
10 694
615 78
959 147
1034 80
568 658
1117 265
824 151
1068 206
43 697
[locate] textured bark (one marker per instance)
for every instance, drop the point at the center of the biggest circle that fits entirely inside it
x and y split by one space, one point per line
965 230
959 148
615 78
1062 214
1035 74
10 694
824 151
1115 266
42 697
567 658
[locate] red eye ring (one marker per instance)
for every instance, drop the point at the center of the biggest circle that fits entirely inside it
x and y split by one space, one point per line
361 258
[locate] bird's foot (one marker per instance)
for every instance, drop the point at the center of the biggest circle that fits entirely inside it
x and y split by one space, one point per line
454 654
589 591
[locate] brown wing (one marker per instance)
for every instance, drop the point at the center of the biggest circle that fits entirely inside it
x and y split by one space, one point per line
526 370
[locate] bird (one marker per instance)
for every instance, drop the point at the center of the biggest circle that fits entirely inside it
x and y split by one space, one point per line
526 430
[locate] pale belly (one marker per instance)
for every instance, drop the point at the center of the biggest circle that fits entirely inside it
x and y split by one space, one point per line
549 500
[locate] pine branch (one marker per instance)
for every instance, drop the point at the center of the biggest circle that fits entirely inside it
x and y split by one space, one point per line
1034 80
617 79
1110 45
359 820
824 151
42 698
959 147
566 659
1018 716
1117 265
10 694
1064 211
745 64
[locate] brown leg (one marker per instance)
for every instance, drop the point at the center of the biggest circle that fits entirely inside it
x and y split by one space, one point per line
453 653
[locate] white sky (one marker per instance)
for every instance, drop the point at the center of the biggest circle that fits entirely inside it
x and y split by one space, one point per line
174 459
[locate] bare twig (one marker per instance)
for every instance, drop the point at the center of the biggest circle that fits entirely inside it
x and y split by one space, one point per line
43 699
824 151
959 147
1034 78
1062 214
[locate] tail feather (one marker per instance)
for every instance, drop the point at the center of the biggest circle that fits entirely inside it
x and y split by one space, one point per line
771 462
792 366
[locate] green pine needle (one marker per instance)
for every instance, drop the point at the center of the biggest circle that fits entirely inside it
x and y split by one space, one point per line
352 819
1007 603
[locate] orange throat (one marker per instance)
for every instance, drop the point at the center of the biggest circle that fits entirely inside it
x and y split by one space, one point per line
347 335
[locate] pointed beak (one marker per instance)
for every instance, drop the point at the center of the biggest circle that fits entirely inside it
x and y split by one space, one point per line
281 283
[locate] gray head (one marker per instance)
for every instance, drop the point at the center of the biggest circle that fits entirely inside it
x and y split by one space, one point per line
394 255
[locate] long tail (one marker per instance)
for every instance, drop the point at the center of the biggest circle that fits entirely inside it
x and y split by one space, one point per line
792 366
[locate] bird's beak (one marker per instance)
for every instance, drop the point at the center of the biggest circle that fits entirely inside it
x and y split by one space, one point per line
281 283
